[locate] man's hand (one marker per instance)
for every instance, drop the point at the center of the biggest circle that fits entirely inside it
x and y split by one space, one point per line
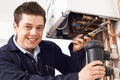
92 72
78 42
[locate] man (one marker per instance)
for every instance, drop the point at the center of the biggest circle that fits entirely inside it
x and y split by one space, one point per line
27 57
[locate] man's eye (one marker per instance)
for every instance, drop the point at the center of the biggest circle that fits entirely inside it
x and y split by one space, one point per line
40 28
27 27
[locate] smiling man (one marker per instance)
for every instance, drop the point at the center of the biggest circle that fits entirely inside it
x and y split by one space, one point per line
29 31
27 57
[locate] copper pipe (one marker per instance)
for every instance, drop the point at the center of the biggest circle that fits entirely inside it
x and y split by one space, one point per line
87 17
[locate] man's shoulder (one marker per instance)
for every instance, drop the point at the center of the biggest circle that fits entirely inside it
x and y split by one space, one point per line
3 47
47 42
4 51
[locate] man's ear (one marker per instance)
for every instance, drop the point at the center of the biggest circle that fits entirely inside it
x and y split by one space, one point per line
15 26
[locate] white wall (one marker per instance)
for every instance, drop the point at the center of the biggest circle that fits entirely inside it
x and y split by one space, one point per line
118 38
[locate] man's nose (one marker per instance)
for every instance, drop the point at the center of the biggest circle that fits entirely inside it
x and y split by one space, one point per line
33 31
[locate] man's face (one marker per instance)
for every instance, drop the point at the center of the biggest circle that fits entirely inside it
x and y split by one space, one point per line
29 31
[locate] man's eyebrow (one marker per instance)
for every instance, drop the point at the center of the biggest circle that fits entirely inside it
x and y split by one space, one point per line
41 25
28 24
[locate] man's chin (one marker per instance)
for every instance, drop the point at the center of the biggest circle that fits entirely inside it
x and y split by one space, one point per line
32 46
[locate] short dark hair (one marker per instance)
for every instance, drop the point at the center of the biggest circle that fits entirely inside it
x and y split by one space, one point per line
28 8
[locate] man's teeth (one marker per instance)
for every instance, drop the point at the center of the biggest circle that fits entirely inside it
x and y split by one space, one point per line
32 39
